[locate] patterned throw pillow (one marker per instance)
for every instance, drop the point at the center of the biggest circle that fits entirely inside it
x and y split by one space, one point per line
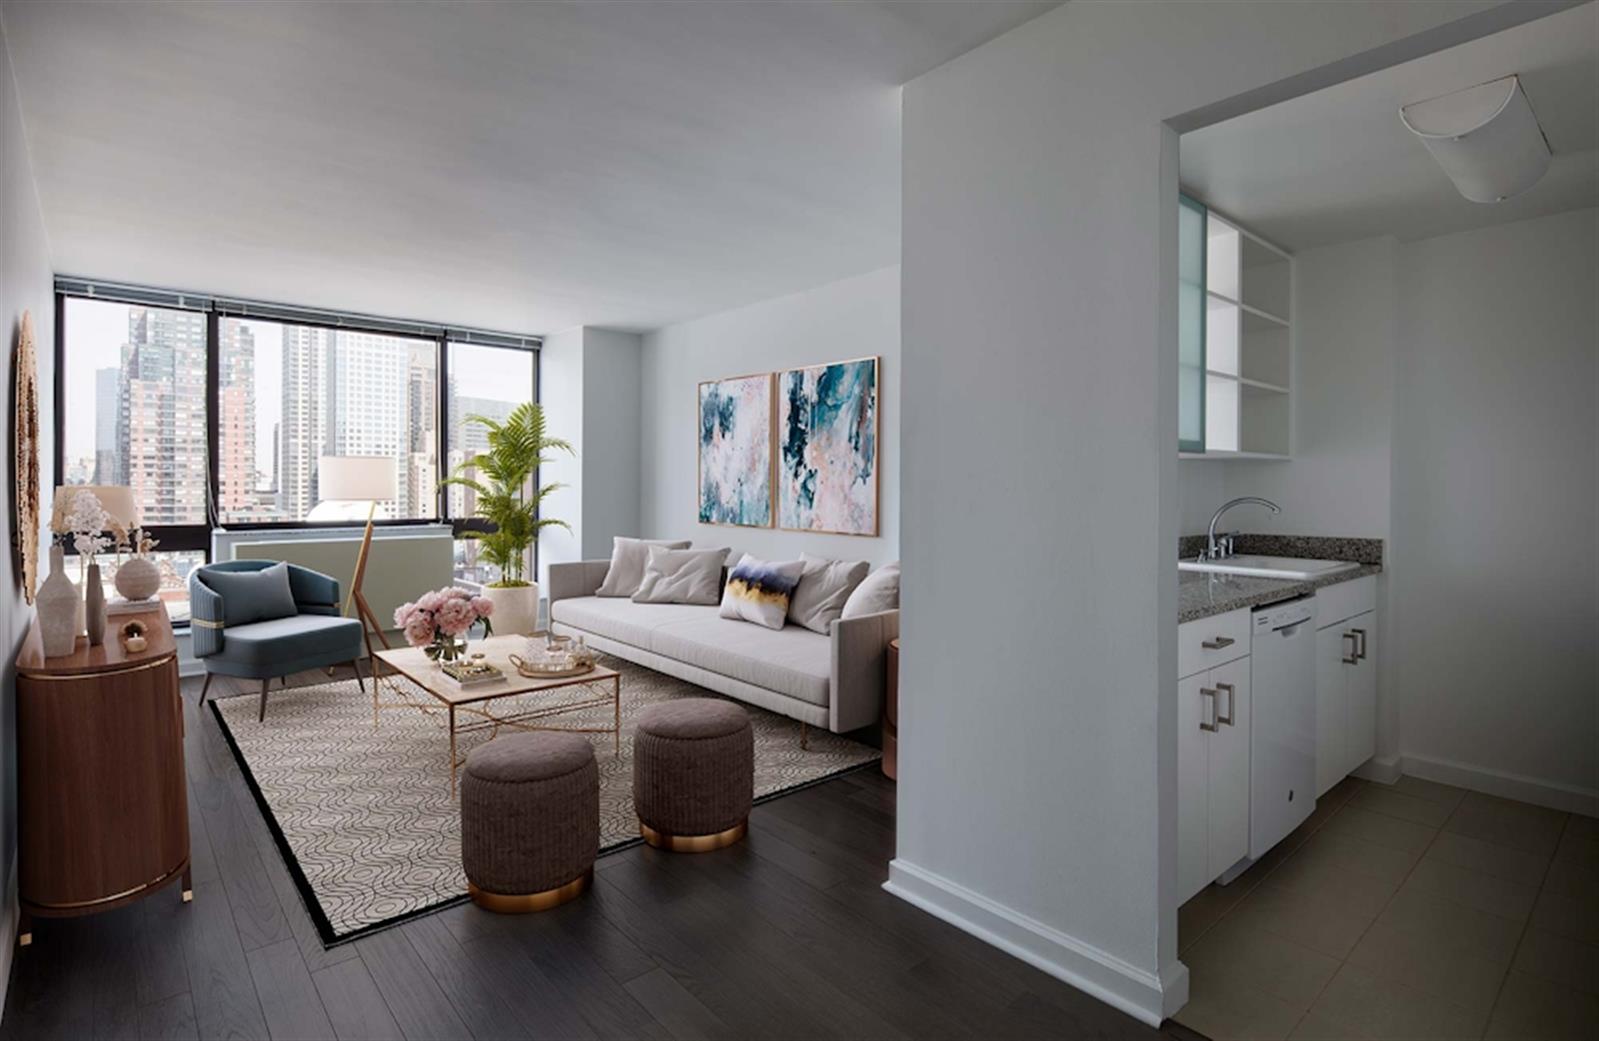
759 590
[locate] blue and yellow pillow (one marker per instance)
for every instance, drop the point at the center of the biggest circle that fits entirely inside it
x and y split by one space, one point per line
759 590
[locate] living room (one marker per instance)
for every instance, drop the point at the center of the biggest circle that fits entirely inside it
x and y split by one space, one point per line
463 458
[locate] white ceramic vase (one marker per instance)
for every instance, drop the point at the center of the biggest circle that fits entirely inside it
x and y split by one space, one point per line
516 609
59 607
138 578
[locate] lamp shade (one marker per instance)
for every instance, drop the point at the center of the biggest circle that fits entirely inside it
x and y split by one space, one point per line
357 478
115 499
1486 138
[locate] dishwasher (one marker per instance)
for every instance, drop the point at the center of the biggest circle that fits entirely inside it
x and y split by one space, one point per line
1282 728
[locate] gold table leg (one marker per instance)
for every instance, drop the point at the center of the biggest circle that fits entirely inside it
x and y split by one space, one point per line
452 751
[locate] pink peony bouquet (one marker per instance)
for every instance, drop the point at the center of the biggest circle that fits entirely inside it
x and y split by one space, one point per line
438 621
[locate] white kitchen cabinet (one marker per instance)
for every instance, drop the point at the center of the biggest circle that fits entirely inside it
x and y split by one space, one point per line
1346 697
1212 759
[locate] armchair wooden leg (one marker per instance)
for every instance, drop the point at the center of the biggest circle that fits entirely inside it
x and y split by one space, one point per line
357 666
205 687
261 716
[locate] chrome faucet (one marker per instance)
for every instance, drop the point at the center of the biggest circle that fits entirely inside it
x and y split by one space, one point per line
1217 549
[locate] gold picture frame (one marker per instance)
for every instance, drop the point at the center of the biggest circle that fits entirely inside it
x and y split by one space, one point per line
876 527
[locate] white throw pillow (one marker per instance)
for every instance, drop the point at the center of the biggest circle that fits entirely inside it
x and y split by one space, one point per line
880 592
681 576
759 590
628 557
824 588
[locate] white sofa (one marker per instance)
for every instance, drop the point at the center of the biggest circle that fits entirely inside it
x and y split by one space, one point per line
834 681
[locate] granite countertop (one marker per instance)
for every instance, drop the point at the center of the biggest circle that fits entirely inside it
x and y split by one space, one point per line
1201 595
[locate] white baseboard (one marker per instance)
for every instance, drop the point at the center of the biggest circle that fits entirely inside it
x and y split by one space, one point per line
1383 771
1556 796
1142 995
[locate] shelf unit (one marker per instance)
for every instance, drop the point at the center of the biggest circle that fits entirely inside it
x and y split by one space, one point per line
1245 404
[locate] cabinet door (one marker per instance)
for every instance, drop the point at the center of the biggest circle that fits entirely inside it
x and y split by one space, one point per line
1332 706
1229 767
1361 718
1193 789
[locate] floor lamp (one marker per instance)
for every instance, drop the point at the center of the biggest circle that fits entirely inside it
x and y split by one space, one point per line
356 479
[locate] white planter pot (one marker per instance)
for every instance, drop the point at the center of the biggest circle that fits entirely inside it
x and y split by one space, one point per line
516 609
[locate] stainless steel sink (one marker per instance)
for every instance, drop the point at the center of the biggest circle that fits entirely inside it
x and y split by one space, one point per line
1300 569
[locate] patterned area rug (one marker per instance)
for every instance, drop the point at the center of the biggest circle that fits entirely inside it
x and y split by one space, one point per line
364 815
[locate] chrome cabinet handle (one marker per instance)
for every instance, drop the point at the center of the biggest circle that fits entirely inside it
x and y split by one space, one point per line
1353 658
1360 634
1218 643
1232 698
1212 727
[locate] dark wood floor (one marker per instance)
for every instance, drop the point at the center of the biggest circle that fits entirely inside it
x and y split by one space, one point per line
786 935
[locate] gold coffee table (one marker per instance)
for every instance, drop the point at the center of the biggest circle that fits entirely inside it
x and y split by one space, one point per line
567 694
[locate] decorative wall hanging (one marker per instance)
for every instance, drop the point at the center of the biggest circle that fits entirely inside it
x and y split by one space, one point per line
25 533
827 429
735 456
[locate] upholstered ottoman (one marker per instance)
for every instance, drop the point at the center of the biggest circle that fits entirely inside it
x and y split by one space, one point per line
693 773
530 821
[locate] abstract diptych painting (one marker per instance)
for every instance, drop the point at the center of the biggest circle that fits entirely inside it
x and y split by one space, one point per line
735 468
827 448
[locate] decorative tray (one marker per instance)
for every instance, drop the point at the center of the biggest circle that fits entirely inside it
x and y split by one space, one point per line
535 671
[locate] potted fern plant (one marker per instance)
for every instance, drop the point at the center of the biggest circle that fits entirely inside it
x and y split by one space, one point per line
501 478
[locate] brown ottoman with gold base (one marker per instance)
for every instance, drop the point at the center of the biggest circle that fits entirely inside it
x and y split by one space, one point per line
693 774
530 821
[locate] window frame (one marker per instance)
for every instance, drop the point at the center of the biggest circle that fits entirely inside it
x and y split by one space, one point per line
197 537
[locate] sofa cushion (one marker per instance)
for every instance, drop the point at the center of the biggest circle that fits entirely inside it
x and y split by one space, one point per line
252 596
621 619
758 591
824 587
628 558
791 660
681 576
878 593
291 639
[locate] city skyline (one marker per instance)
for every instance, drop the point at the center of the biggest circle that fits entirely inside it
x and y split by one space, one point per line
286 396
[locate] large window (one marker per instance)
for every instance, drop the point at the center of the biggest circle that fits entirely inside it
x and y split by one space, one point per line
151 395
134 405
488 382
290 394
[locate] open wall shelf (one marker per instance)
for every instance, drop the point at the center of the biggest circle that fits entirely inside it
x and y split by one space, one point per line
1236 400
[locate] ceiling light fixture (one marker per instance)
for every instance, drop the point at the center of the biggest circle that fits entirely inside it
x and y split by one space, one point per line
1486 138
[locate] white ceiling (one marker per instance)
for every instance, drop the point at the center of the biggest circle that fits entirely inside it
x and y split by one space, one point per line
526 167
1337 165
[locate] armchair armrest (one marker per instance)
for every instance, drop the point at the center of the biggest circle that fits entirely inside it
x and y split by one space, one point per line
860 661
312 590
576 578
205 618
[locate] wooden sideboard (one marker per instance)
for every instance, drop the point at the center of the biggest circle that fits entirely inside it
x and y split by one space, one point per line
103 812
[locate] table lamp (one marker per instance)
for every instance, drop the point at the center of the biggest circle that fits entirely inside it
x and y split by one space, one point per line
345 479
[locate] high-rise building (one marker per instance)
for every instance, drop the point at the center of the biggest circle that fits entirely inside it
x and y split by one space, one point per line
356 393
107 394
301 430
161 415
469 440
236 476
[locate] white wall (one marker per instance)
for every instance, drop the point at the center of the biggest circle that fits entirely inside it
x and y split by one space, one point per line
1038 790
589 388
26 284
853 318
1496 508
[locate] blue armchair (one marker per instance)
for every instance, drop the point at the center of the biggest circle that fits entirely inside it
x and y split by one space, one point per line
248 622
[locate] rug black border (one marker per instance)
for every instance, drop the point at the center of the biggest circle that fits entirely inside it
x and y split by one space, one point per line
324 928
